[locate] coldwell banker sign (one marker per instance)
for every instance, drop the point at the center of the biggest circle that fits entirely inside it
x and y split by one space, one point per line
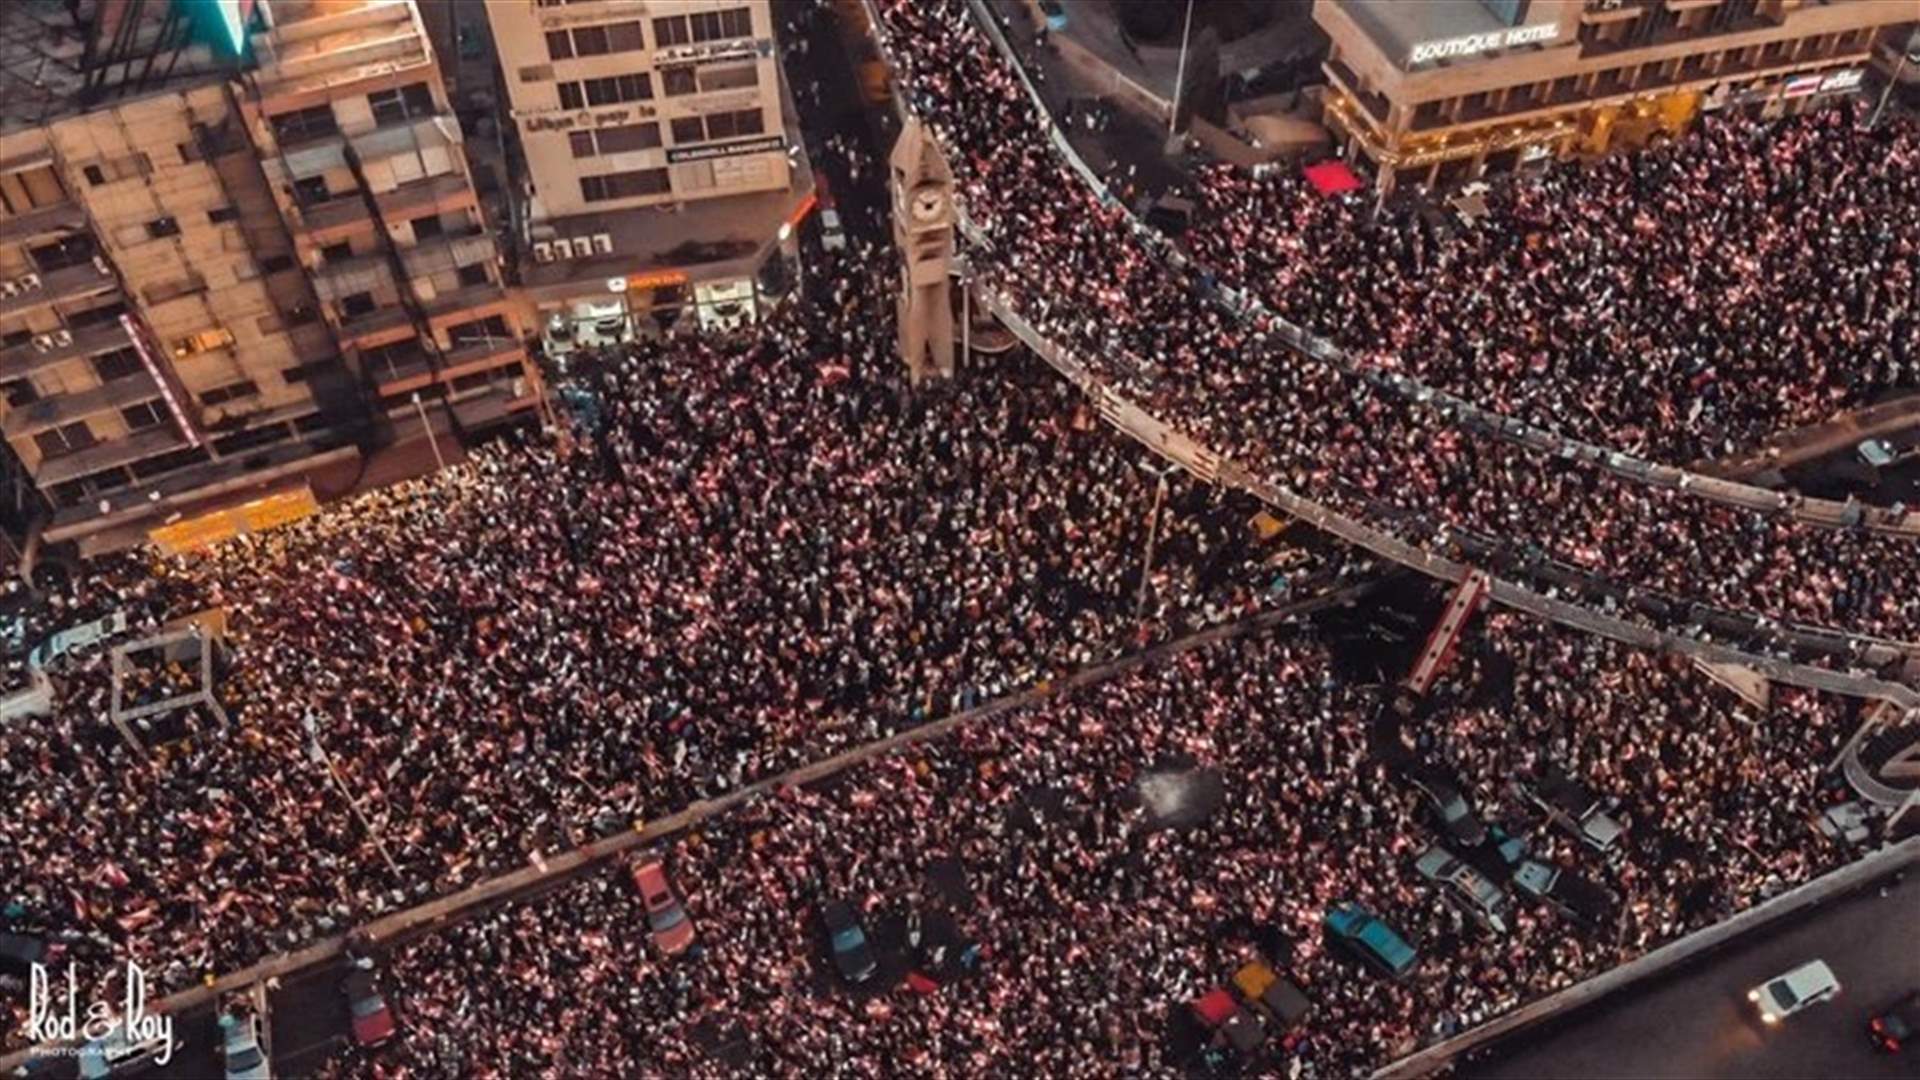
723 150
1473 44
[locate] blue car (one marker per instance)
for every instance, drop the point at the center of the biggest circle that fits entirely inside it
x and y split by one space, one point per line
1376 943
848 940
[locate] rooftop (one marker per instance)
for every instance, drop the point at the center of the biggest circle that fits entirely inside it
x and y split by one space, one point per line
56 62
1397 26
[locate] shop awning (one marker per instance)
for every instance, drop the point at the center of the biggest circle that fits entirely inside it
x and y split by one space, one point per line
1332 178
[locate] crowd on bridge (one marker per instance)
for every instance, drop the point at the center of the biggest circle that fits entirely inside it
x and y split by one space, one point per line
753 551
1155 329
1075 850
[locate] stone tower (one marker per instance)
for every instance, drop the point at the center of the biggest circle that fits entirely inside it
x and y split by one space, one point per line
923 231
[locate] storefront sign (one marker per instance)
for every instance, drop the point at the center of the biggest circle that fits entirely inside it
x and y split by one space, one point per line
588 118
1470 44
1842 80
718 50
726 150
1802 85
652 279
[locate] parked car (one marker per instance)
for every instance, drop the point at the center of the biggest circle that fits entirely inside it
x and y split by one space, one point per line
672 930
852 954
1230 1022
1575 897
1576 809
1372 940
833 234
1897 1024
19 952
116 1055
373 1021
1275 998
241 1053
1847 824
1465 887
1809 984
1448 806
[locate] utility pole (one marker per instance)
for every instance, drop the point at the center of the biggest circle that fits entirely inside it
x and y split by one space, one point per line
1913 42
1180 74
320 756
433 440
1153 532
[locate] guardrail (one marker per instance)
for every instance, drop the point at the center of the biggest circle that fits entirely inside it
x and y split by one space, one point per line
1822 512
1813 893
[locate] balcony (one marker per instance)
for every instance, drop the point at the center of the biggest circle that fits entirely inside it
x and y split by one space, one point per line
64 216
444 253
337 218
434 195
472 302
27 359
312 49
136 447
368 273
52 412
67 283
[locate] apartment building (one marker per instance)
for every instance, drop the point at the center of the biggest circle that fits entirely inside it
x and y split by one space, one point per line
232 252
660 167
1442 90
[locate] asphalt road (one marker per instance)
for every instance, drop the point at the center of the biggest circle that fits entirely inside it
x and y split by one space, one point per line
1698 1024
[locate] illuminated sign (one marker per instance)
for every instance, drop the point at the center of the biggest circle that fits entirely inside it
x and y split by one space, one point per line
1842 80
655 279
725 150
1470 44
258 515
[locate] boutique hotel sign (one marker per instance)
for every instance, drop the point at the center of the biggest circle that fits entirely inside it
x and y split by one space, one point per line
1473 44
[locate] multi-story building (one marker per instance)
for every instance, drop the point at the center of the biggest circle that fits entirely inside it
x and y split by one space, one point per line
659 165
226 266
1442 89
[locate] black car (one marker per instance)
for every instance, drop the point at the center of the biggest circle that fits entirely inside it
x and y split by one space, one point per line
1581 900
852 954
19 952
1448 806
1896 1025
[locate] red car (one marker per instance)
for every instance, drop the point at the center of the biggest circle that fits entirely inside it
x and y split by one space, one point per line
373 1021
1898 1025
672 930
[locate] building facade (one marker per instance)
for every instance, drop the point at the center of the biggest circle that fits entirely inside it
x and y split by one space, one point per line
1441 90
220 286
657 148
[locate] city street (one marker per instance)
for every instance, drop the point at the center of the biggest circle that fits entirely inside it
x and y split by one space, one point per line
1700 1024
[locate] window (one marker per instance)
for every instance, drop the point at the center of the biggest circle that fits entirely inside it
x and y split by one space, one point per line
97 316
625 36
730 125
570 96
222 214
119 364
311 191
273 264
19 392
68 251
398 106
303 124
559 45
238 391
300 314
360 303
688 129
678 80
671 31
615 89
306 371
623 185
15 338
625 138
475 274
428 227
95 176
337 253
581 142
166 463
491 328
204 341
252 438
61 441
729 77
143 416
720 25
590 41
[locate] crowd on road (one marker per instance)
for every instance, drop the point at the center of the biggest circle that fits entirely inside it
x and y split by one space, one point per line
1682 303
1074 850
762 549
1152 329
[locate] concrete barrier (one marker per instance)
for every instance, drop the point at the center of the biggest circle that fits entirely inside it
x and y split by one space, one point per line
1659 961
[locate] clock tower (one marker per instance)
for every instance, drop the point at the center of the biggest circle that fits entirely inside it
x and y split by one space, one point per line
923 231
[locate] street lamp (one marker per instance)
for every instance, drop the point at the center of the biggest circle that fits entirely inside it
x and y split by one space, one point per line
1153 531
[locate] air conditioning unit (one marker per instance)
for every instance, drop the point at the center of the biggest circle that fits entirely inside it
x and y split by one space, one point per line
603 243
563 249
62 338
100 264
29 282
9 288
43 342
542 251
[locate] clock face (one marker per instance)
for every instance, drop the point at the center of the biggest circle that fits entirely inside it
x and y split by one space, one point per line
927 204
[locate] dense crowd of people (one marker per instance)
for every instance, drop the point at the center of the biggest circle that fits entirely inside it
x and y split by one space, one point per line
1043 840
1150 329
764 550
1682 303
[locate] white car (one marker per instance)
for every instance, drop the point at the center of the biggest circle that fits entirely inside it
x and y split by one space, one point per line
833 236
1809 984
245 1059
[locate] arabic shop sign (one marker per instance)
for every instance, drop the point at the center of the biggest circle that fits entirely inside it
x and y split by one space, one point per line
1472 44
